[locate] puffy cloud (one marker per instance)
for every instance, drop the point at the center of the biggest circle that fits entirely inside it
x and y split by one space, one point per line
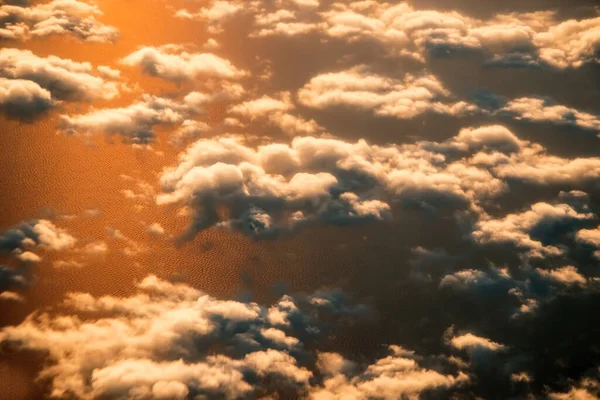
538 110
155 229
586 389
396 376
521 377
272 18
251 181
570 43
533 229
12 279
470 341
306 3
359 88
472 277
590 237
131 247
36 233
57 17
28 256
274 187
64 78
25 240
262 106
11 296
516 39
20 241
189 130
277 112
415 95
281 23
170 341
23 99
566 275
134 122
95 248
522 291
218 12
173 63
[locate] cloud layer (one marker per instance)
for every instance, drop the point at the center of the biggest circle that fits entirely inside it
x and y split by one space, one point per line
172 341
57 17
278 186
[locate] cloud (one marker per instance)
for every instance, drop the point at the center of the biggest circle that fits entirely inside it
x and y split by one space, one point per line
586 389
570 43
11 279
306 3
276 112
155 229
218 12
131 247
473 278
136 122
28 256
64 78
57 17
396 376
12 296
416 95
20 242
173 63
359 88
188 131
590 237
264 105
95 248
533 229
534 39
281 23
566 275
539 110
172 340
276 187
470 341
23 99
40 233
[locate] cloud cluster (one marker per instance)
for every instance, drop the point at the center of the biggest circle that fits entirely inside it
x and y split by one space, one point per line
12 279
590 237
20 242
587 389
534 229
270 17
412 96
57 17
276 112
36 233
515 39
218 12
172 341
135 122
542 110
398 375
470 341
362 89
174 63
29 84
21 98
278 186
